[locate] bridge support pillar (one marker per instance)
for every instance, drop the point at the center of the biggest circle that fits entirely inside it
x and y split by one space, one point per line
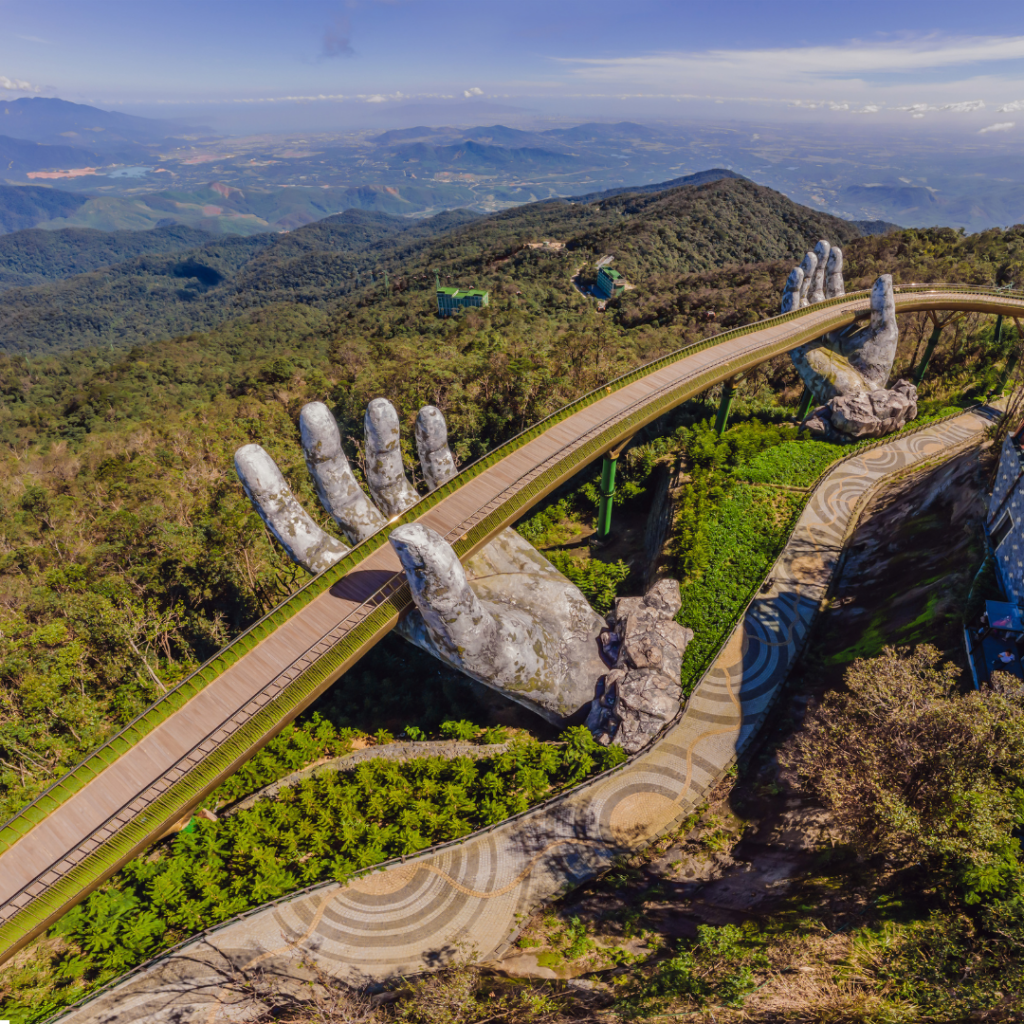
806 401
922 367
1011 359
604 511
725 405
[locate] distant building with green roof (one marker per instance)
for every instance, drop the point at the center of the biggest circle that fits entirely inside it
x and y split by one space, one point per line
451 299
609 283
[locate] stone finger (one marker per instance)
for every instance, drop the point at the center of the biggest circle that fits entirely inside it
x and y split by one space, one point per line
340 493
794 285
267 489
808 265
436 459
872 350
817 289
391 491
834 285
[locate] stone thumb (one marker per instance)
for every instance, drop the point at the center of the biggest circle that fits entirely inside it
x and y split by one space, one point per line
457 621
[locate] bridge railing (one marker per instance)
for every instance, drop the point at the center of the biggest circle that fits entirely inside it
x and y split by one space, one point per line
62 891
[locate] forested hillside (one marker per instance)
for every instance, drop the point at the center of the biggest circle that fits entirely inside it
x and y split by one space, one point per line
168 292
24 206
36 256
152 297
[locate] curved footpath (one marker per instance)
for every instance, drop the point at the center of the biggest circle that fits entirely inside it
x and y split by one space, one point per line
413 915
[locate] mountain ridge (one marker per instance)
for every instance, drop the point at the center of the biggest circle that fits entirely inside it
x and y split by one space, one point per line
685 228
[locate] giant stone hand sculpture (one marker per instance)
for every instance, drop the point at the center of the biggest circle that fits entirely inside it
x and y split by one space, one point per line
508 618
847 371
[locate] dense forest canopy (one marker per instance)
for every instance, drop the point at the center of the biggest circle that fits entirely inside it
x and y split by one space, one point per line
36 256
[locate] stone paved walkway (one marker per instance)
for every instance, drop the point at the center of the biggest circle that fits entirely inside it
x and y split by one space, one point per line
413 916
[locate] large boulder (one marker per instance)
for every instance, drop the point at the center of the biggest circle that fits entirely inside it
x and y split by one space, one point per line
642 693
865 414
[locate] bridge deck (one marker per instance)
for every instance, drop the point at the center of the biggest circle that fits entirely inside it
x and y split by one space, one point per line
124 790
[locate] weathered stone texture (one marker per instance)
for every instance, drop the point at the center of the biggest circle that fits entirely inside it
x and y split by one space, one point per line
391 491
508 619
847 371
287 520
339 491
867 414
642 692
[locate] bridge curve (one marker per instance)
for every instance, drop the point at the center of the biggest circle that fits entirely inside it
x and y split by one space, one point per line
86 826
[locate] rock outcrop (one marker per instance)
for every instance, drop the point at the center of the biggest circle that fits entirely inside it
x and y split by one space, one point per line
642 692
867 414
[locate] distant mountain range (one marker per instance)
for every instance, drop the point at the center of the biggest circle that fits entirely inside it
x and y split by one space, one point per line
470 156
216 208
57 121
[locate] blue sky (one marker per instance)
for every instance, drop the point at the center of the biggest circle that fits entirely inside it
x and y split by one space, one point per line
955 63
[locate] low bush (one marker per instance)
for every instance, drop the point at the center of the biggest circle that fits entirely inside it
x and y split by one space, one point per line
293 748
718 967
916 771
599 581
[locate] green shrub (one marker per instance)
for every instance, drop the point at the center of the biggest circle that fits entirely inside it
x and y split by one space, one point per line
296 746
912 769
719 967
599 581
793 463
493 734
459 730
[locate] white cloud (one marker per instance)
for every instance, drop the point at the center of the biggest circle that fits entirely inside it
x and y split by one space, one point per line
963 107
857 58
475 91
17 85
1005 126
859 70
1011 108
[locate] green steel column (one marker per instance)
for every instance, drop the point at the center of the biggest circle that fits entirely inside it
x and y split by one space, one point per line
604 512
922 367
806 401
1011 359
722 420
